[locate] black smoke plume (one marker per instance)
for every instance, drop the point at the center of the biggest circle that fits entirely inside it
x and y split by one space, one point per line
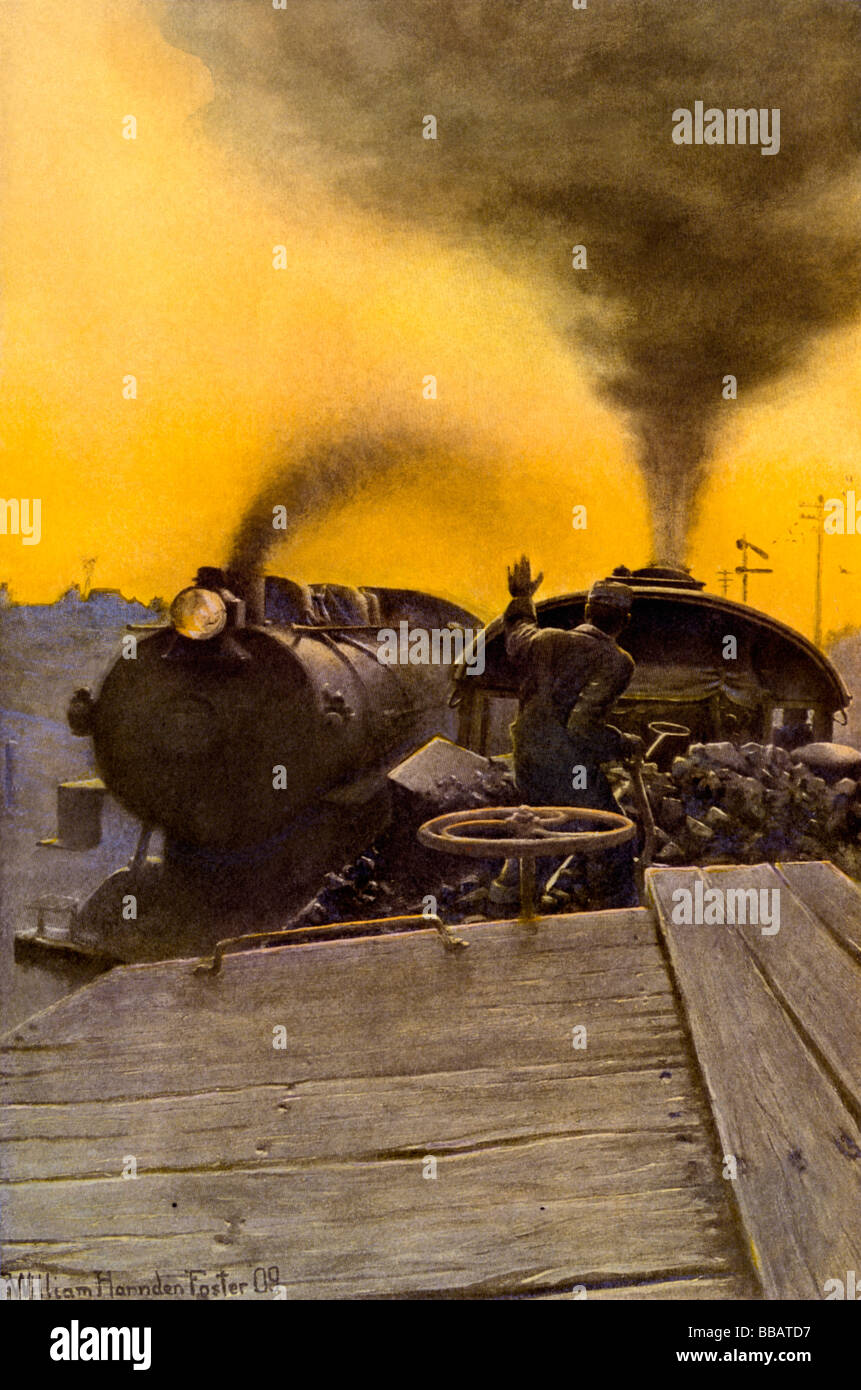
554 129
309 479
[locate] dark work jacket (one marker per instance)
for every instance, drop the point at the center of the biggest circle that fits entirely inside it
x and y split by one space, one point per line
571 679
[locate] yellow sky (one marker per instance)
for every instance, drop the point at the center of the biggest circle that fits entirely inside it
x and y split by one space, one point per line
153 257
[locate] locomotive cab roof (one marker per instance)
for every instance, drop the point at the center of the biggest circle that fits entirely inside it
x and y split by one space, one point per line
677 637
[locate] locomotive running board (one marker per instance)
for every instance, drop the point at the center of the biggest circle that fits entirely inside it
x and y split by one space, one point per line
56 939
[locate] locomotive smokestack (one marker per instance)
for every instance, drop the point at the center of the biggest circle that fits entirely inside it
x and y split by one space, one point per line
250 586
232 588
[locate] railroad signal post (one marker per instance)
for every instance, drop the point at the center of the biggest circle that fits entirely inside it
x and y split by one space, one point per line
744 545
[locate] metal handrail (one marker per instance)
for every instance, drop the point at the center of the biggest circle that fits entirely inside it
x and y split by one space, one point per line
332 931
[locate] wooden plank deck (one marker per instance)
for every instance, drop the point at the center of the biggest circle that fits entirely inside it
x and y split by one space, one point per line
832 897
556 1167
775 1023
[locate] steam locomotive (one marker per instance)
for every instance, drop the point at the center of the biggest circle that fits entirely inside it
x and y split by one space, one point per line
254 732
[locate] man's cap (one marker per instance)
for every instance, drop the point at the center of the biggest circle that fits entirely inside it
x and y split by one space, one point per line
611 595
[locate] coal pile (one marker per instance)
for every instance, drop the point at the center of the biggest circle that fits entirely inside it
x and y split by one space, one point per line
396 875
718 804
722 804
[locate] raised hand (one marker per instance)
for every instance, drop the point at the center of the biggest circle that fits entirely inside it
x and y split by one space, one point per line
520 581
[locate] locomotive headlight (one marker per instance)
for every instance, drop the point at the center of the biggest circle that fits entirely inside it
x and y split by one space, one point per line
198 614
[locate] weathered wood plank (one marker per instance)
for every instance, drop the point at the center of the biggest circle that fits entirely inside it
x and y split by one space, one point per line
777 1112
321 1119
156 1030
545 1211
816 981
731 1286
832 896
619 1039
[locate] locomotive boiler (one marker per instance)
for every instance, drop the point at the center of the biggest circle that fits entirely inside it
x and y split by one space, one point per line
254 731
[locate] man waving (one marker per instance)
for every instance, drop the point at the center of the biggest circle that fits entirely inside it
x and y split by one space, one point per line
570 681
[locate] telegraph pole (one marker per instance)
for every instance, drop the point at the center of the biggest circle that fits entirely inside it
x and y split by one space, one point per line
724 581
89 566
817 515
